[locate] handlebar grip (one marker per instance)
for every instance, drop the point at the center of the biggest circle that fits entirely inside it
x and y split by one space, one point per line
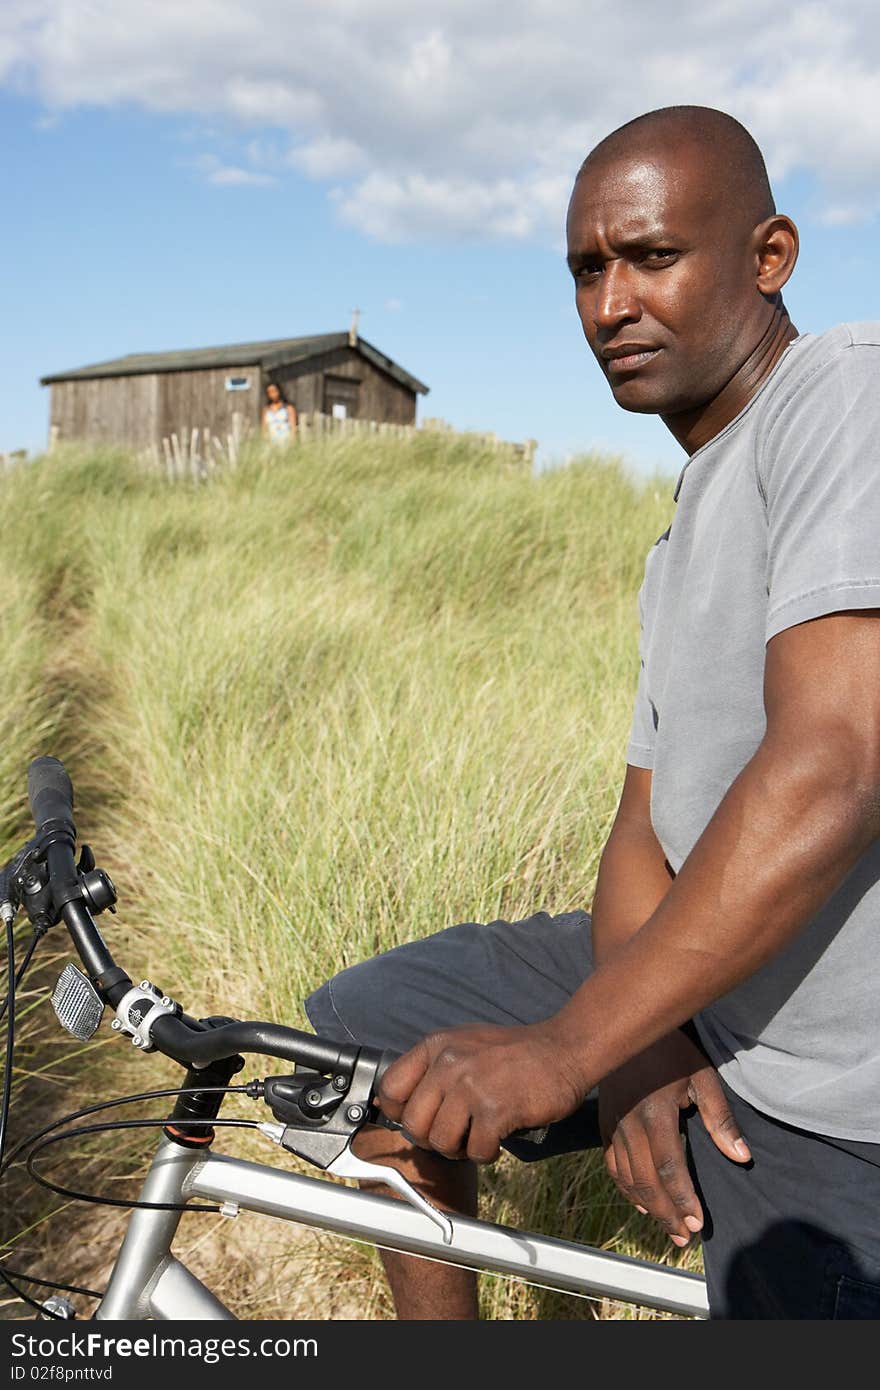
50 793
384 1063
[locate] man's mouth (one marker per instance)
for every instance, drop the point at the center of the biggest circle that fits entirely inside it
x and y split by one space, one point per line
628 356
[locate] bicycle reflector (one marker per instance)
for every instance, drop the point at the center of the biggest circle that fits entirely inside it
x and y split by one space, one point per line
77 1004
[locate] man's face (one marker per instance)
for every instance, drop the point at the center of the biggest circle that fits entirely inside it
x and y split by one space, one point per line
664 281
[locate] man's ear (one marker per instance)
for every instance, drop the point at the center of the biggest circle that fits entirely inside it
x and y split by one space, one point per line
776 249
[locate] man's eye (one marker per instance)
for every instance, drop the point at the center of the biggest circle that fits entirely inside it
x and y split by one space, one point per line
585 273
661 256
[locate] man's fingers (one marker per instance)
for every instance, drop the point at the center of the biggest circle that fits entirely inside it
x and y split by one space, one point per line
673 1175
482 1141
617 1161
419 1114
401 1079
661 1184
450 1129
706 1092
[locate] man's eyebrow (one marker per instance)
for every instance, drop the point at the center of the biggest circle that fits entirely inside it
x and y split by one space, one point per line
575 259
647 239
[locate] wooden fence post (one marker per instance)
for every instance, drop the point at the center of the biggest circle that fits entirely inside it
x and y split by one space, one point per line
195 470
198 454
169 459
178 455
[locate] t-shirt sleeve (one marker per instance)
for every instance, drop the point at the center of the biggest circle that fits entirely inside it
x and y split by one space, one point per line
820 476
640 749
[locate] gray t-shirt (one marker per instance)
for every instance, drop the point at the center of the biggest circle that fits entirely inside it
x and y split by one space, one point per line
778 521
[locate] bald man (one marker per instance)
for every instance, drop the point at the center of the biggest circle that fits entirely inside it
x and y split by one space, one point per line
727 970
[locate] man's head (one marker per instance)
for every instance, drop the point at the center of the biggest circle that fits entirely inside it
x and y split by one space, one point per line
678 256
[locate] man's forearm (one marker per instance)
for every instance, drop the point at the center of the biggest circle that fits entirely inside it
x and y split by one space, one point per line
782 840
633 880
633 874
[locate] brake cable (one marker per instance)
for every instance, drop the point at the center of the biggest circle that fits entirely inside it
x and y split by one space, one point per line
9 1003
10 1039
249 1088
119 1201
43 1311
22 969
5 1270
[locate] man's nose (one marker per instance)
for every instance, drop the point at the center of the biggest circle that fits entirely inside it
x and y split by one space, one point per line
616 301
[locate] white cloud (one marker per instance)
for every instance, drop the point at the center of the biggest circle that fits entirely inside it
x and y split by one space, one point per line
839 215
231 175
393 208
327 157
465 120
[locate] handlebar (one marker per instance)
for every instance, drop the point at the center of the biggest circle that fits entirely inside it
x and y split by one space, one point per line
50 795
178 1036
177 1040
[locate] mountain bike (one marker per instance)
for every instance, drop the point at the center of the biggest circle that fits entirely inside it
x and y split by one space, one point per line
318 1105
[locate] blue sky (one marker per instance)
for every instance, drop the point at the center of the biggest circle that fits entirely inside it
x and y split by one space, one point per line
179 185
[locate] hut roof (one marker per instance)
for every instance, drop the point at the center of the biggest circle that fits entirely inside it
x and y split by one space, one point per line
277 352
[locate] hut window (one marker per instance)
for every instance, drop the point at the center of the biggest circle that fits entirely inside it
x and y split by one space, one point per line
238 383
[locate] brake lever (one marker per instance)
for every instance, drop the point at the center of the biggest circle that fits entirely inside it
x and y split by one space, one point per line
348 1165
325 1141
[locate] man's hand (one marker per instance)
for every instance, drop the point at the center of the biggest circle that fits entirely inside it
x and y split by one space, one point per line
639 1108
463 1090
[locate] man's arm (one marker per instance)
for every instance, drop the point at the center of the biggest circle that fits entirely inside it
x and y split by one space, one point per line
790 828
640 1103
634 877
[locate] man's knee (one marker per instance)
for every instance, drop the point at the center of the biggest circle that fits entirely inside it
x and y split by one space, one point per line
347 1007
506 973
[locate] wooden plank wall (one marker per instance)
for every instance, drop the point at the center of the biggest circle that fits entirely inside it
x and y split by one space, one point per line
199 400
380 397
303 390
141 410
108 410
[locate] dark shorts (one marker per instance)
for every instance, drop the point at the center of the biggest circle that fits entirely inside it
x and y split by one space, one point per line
501 972
794 1234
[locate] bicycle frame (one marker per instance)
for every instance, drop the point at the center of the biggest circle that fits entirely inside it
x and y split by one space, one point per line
149 1282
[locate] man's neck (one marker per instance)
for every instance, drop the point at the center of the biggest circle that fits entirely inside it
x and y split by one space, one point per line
694 428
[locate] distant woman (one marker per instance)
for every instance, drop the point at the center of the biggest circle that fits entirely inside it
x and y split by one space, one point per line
279 416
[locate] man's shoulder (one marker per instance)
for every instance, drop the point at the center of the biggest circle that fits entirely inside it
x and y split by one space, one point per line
812 360
866 333
810 351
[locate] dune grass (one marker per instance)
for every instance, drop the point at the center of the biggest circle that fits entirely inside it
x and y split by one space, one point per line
334 700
